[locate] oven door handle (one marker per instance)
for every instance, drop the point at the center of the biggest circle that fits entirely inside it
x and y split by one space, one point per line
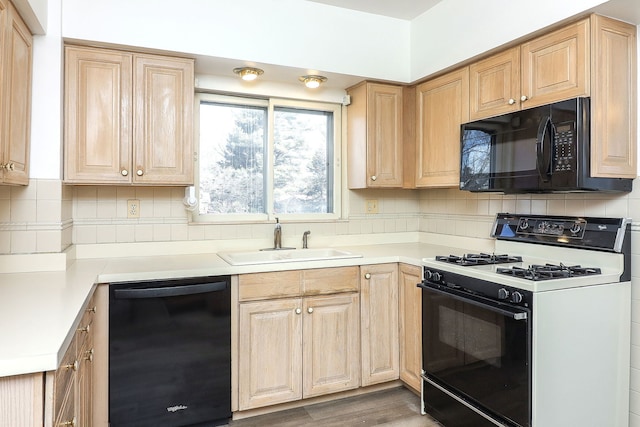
515 314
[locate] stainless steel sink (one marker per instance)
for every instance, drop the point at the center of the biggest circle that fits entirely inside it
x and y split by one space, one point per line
278 256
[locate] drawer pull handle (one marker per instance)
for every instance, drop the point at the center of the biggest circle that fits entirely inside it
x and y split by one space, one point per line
73 366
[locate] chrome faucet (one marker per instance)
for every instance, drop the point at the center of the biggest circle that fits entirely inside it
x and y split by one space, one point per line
277 235
305 237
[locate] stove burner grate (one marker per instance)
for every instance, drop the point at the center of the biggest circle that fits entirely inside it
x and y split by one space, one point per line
549 271
478 259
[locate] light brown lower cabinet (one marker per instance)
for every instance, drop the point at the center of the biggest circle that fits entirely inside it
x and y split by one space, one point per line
72 399
297 348
379 315
61 398
410 325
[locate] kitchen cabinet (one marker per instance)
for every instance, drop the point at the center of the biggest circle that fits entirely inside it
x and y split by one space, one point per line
593 57
613 98
299 335
16 45
375 136
379 330
72 382
546 69
410 302
128 118
442 105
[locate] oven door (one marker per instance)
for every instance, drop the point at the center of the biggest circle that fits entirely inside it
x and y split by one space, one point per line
478 352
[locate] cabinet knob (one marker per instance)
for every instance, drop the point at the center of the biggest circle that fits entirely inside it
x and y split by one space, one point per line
9 166
88 355
70 423
512 101
367 276
124 172
139 172
373 177
310 310
92 309
73 366
298 310
523 98
86 329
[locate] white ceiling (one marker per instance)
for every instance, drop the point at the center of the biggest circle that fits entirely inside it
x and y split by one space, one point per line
402 9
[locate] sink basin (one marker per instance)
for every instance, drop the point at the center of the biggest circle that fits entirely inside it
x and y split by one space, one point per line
277 256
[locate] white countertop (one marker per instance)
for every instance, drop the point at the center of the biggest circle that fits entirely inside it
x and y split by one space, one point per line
40 311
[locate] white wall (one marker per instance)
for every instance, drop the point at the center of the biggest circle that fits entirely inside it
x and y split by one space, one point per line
284 32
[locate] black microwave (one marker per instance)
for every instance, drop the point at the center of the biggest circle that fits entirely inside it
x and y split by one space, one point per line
539 150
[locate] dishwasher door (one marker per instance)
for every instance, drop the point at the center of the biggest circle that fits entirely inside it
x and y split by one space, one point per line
170 352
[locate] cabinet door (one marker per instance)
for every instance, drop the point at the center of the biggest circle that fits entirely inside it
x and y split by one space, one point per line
410 325
163 120
556 66
442 106
98 132
379 317
375 136
16 98
613 99
270 356
494 85
384 136
331 344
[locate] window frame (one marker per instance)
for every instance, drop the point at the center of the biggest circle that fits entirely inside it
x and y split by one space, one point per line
271 104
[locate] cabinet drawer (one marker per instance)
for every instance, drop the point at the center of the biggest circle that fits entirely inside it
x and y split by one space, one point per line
64 377
269 285
85 325
330 280
65 413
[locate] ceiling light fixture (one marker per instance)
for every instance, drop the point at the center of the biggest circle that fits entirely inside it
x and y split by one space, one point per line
248 73
312 81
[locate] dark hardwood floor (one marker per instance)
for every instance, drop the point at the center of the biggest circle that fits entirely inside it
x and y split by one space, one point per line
396 407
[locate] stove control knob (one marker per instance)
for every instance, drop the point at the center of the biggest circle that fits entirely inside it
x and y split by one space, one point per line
428 274
516 297
436 276
575 228
503 293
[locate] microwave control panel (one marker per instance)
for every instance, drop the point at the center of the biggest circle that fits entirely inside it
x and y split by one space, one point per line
564 157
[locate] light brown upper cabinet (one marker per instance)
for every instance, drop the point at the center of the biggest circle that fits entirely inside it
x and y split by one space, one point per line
128 118
442 104
546 69
374 136
613 98
15 96
593 57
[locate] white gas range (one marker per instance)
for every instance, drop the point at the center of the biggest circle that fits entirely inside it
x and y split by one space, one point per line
536 333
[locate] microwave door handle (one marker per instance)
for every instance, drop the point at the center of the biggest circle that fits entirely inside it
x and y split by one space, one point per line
543 155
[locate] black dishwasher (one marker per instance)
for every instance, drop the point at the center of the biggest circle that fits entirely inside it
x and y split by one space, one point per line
170 352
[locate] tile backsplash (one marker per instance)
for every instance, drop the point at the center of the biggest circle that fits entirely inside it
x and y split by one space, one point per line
47 216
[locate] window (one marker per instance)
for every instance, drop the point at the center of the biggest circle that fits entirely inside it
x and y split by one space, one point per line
259 159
